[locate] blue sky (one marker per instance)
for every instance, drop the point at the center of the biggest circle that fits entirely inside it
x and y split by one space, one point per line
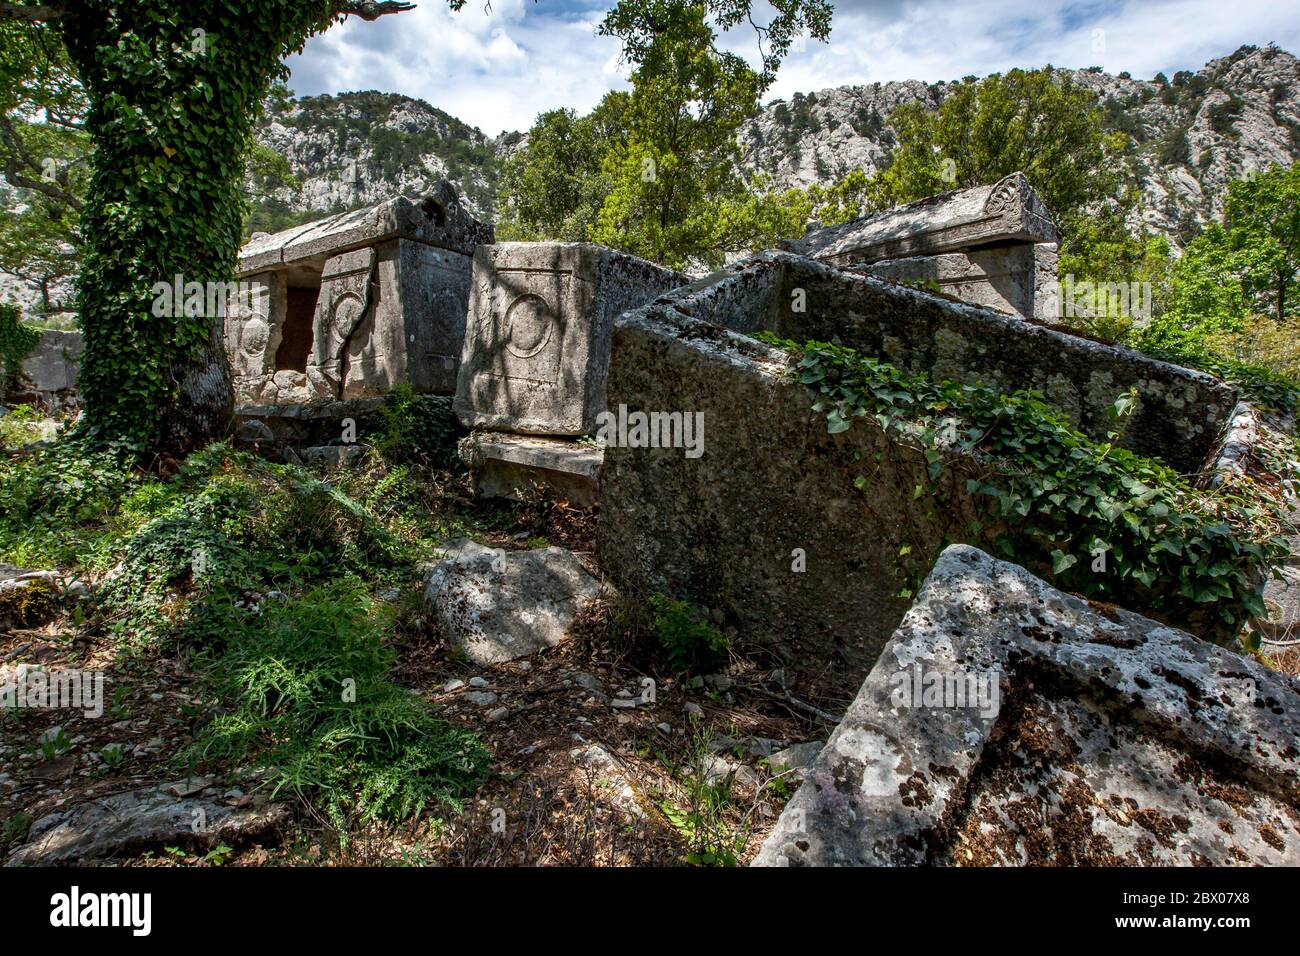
496 66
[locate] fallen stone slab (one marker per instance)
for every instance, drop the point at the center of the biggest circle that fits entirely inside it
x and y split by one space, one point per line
1007 723
517 466
499 606
136 820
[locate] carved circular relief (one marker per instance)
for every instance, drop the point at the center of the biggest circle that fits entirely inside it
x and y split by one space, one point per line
345 310
529 321
256 333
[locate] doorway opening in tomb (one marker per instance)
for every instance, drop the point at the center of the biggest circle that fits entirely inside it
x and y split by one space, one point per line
297 333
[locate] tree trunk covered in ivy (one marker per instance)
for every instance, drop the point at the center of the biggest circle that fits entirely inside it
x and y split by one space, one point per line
174 91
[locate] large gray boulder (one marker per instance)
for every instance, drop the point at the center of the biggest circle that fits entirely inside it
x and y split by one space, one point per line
1007 723
499 606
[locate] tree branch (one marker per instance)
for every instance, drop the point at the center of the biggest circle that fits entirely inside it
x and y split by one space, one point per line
33 13
17 150
370 9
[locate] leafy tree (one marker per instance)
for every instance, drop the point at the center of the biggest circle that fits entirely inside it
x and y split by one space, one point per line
1034 121
554 187
1247 265
657 172
42 156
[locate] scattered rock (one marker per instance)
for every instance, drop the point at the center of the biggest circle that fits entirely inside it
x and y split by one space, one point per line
796 759
609 773
137 819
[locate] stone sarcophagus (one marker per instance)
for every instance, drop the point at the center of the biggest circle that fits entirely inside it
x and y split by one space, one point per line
994 246
537 337
349 306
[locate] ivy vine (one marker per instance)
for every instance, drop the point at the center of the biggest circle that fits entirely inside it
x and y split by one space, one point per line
174 90
16 343
1053 500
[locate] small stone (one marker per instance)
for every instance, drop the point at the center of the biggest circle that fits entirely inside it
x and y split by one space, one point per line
478 682
481 698
454 684
694 709
497 713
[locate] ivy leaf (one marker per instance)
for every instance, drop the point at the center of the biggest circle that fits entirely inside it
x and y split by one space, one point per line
1062 561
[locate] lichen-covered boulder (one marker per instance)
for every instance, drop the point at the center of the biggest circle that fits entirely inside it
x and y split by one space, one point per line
499 606
1007 723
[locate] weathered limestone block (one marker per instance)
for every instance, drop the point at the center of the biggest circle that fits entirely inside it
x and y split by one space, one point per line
1179 417
537 337
1009 210
766 527
516 466
499 606
1007 723
1014 279
49 373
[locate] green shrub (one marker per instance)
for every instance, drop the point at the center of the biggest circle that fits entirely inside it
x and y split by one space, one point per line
690 644
308 696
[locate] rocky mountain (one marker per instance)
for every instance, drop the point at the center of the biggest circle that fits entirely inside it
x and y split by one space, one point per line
1195 132
355 149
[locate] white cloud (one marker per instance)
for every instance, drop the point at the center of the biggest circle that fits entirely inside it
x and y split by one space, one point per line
497 67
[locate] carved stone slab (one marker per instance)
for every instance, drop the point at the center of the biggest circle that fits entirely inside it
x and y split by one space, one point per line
437 219
537 337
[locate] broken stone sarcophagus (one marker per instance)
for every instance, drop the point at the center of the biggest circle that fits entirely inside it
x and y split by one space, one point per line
1009 724
770 526
535 357
349 306
994 246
